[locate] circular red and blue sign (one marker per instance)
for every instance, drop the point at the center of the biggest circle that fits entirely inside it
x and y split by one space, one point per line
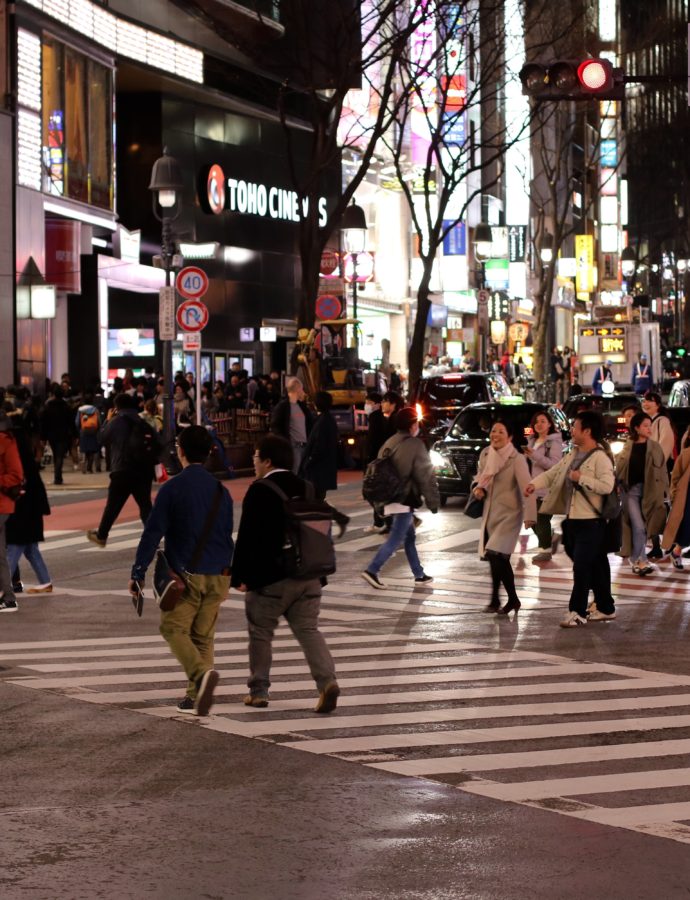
192 315
191 282
328 307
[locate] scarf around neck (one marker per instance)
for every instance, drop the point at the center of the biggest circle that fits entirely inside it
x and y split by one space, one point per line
495 461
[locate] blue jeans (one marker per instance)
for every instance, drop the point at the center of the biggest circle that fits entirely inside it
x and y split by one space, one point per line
33 554
402 531
632 500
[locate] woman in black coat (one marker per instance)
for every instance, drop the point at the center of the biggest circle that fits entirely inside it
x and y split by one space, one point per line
320 457
24 527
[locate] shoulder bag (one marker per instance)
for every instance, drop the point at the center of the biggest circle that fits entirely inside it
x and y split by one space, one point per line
169 585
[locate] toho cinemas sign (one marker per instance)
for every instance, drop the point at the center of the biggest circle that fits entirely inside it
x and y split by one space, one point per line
219 193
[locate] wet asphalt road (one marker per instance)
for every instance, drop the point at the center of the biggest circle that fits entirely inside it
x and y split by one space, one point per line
469 757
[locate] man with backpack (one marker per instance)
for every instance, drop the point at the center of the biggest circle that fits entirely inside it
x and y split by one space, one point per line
134 451
398 479
88 422
280 569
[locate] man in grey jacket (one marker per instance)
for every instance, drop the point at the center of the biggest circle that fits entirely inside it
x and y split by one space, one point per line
577 487
411 460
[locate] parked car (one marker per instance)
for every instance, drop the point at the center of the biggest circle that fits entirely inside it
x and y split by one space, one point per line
611 408
456 456
440 397
680 394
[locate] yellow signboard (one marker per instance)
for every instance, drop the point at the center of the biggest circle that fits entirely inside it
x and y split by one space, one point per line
584 255
612 344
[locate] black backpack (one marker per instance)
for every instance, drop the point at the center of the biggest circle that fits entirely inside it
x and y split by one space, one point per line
308 550
143 448
382 482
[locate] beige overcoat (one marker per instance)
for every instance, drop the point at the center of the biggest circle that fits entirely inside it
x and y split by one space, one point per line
679 495
653 494
506 507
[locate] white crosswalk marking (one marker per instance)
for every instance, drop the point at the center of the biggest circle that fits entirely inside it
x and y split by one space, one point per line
486 721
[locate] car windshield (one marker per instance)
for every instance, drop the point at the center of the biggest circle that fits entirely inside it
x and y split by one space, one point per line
475 424
455 392
607 406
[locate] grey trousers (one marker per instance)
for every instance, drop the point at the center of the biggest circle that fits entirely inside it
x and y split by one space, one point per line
5 574
300 603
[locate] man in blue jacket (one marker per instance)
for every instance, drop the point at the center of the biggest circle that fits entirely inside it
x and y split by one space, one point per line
179 514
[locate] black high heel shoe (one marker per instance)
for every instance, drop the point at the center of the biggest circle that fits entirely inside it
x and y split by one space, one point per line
493 607
511 606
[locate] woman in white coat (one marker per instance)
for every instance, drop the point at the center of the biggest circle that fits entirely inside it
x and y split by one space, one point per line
501 481
544 449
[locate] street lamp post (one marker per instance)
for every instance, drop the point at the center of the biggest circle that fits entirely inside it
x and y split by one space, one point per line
166 187
354 229
483 239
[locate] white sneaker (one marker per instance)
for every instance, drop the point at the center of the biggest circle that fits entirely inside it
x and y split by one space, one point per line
572 620
542 556
596 616
373 529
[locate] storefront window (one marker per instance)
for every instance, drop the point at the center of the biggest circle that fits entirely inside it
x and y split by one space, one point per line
76 132
100 135
77 126
53 120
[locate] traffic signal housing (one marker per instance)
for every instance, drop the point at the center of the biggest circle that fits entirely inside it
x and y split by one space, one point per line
568 79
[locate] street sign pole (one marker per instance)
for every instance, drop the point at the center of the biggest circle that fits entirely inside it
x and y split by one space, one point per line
198 386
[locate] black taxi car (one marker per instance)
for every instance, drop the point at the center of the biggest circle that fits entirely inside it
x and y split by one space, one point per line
455 457
439 398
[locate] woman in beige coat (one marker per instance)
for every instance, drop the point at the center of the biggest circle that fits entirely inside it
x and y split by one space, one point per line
641 469
501 481
677 532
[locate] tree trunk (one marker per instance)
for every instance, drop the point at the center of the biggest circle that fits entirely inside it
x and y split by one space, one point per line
416 355
540 344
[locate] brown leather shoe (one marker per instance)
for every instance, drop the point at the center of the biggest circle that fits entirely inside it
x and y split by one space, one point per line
328 698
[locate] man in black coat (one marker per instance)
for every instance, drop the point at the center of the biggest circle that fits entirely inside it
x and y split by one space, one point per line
128 476
58 428
258 572
320 459
292 420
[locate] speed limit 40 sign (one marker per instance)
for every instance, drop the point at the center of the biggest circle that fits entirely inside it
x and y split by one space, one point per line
191 282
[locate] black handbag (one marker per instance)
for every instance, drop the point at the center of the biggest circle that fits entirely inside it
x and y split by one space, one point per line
169 585
475 507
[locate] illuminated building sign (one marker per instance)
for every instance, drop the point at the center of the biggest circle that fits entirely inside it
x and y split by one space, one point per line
218 193
612 345
584 254
125 38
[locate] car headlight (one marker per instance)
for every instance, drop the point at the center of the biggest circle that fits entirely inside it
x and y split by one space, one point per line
616 447
438 460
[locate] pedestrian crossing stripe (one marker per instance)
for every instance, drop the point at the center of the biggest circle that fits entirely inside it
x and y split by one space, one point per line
439 710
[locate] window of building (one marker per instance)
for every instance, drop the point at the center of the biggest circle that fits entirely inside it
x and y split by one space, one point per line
77 126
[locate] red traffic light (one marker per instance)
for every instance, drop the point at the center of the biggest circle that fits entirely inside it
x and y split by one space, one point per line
595 76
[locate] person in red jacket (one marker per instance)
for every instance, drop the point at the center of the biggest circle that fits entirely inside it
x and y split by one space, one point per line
11 477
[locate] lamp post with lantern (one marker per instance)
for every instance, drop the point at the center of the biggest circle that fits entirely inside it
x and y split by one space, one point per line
166 187
354 229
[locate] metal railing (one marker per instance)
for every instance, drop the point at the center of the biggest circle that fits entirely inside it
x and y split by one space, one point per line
240 426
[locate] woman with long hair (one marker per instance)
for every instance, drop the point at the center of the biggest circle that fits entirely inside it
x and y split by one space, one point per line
544 449
641 470
501 480
663 433
677 532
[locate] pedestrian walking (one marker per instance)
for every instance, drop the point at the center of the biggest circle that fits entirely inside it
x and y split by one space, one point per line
642 473
88 423
416 474
24 528
134 450
320 457
259 572
544 449
58 428
577 487
11 477
677 532
662 432
502 478
377 434
293 420
193 513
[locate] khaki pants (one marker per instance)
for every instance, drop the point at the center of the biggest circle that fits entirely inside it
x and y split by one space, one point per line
190 628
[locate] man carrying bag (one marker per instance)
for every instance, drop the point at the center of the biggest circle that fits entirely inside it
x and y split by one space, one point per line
196 522
578 487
